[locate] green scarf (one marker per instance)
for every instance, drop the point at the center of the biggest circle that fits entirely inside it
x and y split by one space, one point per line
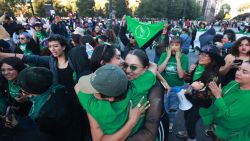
14 89
38 102
143 32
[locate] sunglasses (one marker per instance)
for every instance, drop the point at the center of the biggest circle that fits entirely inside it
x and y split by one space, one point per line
131 37
132 67
21 38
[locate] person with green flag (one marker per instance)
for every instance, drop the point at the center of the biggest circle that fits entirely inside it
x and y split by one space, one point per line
141 34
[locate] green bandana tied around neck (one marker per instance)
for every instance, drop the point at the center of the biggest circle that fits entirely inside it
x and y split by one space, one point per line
38 102
143 32
13 89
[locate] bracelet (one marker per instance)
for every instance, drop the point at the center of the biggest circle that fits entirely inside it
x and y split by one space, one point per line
15 54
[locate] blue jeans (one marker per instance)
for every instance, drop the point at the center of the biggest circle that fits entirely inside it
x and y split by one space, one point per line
171 102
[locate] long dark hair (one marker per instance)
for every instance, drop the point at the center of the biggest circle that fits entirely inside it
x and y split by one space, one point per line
235 49
15 62
102 53
62 41
142 56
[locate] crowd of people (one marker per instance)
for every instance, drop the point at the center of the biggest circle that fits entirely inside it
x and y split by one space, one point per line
80 80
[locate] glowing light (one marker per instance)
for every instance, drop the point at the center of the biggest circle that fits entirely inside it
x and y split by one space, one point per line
100 4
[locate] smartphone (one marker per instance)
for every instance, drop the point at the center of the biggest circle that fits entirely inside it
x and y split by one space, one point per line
238 62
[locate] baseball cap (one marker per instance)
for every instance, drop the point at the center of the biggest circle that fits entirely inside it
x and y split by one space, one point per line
109 80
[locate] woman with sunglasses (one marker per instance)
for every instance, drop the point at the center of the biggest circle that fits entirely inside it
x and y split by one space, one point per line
239 52
110 54
41 35
204 71
129 43
10 91
27 45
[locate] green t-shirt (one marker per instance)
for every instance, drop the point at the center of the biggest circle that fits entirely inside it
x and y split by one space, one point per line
170 73
230 114
111 116
198 72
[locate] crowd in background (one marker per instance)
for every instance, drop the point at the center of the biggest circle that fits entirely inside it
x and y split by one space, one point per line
87 79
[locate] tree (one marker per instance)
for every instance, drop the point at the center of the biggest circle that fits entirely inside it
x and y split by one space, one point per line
156 10
224 10
86 7
194 10
59 8
244 6
38 6
120 8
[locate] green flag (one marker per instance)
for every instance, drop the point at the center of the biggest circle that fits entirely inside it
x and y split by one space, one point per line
143 32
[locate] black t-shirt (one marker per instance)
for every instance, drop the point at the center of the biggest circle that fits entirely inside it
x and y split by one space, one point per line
65 78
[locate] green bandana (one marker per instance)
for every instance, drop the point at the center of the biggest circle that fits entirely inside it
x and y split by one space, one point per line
38 102
14 89
143 32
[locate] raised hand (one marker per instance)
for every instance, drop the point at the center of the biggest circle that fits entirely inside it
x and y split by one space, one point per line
136 112
215 89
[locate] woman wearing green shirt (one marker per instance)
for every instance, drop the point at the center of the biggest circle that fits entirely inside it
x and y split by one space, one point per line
229 114
10 92
173 65
207 68
41 36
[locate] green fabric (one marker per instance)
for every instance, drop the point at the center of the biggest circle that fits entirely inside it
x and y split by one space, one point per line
24 49
3 104
13 89
111 116
202 29
37 104
142 89
198 72
41 37
143 32
230 114
170 73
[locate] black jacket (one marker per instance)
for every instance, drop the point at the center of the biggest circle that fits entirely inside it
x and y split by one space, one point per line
63 117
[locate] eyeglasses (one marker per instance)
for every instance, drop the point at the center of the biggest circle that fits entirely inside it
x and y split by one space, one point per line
21 38
132 67
131 37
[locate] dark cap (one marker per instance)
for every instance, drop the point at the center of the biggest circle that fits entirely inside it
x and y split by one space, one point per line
214 53
109 80
35 80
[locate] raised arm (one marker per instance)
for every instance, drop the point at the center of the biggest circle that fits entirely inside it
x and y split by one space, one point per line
163 65
6 55
228 65
122 34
